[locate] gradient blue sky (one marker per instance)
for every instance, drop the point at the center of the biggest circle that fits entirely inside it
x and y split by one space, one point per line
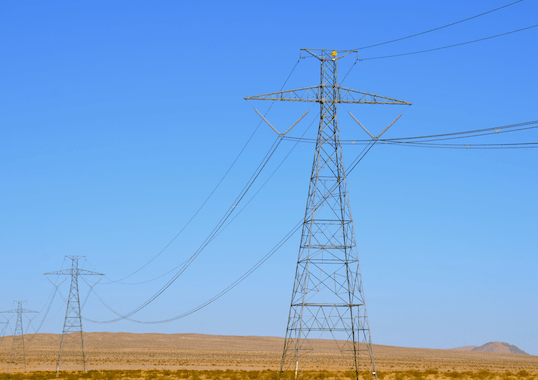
118 119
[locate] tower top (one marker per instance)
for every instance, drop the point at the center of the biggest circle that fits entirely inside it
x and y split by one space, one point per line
325 54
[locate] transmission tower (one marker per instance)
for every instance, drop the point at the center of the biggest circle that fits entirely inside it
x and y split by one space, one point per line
328 298
72 342
18 350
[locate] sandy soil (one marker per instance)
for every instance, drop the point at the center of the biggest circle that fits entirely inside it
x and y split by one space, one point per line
125 351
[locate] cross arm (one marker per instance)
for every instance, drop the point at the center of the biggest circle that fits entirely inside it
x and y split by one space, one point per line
28 311
70 272
15 311
316 94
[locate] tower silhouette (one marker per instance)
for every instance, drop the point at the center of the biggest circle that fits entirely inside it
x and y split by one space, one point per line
72 342
18 349
328 298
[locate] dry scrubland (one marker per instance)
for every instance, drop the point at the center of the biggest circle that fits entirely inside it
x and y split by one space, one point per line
201 357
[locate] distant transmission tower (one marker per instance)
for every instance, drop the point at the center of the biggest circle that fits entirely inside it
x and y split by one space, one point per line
72 343
328 298
18 350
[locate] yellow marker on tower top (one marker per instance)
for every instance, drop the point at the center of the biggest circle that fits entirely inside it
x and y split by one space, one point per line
334 53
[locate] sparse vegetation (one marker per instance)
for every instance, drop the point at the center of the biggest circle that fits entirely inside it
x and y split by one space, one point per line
122 356
228 374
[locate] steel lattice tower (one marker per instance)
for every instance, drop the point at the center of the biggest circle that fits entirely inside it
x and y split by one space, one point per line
328 298
72 342
18 349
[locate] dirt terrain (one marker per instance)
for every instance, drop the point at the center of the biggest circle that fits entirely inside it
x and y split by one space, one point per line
125 351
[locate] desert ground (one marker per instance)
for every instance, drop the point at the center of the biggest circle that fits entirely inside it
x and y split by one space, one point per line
183 355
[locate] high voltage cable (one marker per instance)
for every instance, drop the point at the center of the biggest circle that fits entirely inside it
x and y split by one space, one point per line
438 28
215 230
440 137
240 211
531 145
51 297
449 46
294 229
204 203
355 162
192 218
237 213
272 174
473 133
53 293
211 300
154 278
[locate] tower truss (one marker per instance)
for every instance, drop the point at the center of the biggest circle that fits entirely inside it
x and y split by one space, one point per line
328 298
18 349
72 342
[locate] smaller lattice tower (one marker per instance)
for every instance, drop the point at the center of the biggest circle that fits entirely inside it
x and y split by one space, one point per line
72 343
18 350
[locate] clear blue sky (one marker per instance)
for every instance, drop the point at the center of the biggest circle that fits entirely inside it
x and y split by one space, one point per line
118 119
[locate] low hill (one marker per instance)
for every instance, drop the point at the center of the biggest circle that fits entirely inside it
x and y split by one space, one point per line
500 347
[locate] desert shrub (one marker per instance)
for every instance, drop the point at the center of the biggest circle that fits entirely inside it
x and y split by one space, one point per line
182 374
414 374
381 375
253 375
113 375
507 375
150 375
70 376
453 374
37 376
482 374
268 375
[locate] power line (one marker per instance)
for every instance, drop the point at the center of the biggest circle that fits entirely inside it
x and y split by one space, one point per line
211 300
272 174
529 145
438 28
238 213
449 46
475 133
215 230
206 200
370 144
354 163
439 137
36 331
